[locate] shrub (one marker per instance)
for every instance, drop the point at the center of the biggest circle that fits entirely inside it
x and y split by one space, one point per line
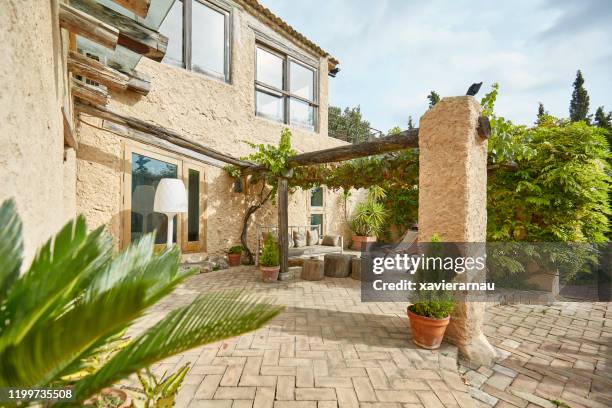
236 249
269 254
370 216
439 308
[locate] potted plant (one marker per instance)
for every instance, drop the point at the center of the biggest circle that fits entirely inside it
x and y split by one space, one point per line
268 262
368 218
428 320
234 254
430 311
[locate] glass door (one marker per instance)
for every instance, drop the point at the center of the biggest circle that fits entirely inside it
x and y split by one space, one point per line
194 224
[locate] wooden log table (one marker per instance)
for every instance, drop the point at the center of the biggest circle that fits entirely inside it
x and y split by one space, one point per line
337 265
356 268
312 269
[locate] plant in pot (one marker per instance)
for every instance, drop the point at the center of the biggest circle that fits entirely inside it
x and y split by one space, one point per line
234 254
430 311
269 262
368 218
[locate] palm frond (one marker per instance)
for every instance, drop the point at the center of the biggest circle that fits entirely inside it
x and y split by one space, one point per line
11 246
59 272
50 347
209 318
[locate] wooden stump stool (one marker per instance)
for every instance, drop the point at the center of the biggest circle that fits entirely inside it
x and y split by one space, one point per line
337 265
312 269
356 268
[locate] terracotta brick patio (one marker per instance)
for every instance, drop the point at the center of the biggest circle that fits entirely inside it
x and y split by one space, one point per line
327 349
549 353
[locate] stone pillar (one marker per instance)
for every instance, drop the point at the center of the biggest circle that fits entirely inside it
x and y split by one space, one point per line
283 224
453 199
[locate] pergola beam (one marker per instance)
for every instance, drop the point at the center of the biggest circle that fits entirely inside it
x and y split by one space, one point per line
404 140
132 35
168 135
93 94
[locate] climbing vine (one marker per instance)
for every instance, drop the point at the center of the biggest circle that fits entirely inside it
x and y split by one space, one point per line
555 189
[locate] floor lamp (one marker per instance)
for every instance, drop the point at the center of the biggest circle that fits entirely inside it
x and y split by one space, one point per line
170 199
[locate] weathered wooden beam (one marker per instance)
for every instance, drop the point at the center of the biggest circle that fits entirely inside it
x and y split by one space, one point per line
69 139
155 141
79 64
168 135
139 7
132 35
406 139
283 223
88 93
78 22
139 82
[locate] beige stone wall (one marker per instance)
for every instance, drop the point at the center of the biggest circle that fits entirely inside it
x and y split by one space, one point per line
32 92
217 114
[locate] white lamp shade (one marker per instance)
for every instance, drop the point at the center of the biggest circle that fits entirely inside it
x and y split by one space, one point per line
170 196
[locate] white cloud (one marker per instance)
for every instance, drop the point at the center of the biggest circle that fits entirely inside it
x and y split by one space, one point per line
394 52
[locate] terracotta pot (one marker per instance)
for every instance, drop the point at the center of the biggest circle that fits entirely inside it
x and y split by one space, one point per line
126 401
269 273
359 239
234 259
427 332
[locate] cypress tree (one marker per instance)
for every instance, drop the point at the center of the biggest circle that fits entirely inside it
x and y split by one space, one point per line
579 105
410 124
602 120
541 113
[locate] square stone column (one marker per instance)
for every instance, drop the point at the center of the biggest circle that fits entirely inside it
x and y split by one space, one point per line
453 202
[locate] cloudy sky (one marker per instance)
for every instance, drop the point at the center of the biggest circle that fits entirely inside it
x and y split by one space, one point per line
393 52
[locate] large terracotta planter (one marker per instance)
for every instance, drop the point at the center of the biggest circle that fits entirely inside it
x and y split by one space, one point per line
234 259
121 395
359 239
427 332
269 273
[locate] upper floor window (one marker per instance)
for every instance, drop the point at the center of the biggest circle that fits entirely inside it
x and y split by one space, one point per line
198 37
285 89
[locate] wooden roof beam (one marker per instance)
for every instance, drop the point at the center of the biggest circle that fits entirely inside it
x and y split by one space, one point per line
139 7
168 135
96 71
132 35
93 94
78 22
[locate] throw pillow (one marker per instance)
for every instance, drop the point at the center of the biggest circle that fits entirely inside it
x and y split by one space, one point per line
331 240
312 237
299 239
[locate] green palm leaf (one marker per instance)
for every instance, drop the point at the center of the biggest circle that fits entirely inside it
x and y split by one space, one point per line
61 269
11 246
50 347
209 318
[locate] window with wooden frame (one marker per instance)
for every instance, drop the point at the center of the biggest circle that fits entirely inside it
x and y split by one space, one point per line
145 167
198 34
317 207
285 88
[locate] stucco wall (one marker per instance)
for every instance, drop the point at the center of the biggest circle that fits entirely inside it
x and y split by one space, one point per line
217 114
32 91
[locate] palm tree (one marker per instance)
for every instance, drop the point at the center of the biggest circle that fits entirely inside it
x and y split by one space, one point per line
76 298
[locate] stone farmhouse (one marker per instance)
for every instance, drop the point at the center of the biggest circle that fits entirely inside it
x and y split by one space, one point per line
94 94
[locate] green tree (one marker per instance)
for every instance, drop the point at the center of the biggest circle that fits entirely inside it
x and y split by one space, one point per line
433 98
410 124
579 105
348 125
541 112
602 120
394 131
76 298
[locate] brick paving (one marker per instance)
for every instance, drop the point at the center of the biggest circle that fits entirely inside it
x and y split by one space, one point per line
551 353
326 350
